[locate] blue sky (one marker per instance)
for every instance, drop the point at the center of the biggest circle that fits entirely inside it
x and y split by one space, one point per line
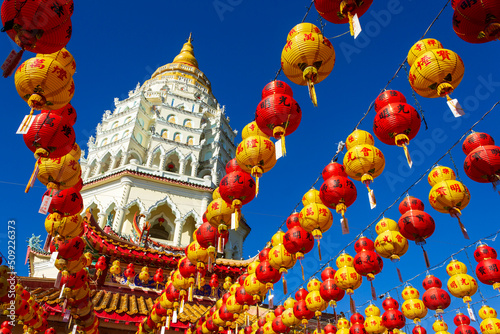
238 45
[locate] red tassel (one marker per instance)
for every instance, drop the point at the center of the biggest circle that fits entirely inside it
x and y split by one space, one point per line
374 294
399 275
301 267
426 258
319 250
352 304
11 63
285 288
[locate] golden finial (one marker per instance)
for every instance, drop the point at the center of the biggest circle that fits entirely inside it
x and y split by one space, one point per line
186 56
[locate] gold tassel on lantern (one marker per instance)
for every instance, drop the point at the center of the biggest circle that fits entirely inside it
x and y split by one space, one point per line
403 141
310 74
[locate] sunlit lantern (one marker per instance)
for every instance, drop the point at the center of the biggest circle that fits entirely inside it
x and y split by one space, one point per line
389 242
490 323
373 322
363 161
315 217
440 327
413 308
367 262
337 192
278 114
392 318
57 173
435 298
460 284
463 324
342 11
447 194
282 260
314 302
343 325
436 72
488 266
396 123
219 214
64 57
308 57
357 324
346 276
477 22
299 242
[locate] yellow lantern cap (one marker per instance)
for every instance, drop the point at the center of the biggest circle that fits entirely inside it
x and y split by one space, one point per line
359 137
421 47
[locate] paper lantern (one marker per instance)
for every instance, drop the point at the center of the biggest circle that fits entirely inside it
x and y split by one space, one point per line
488 266
308 57
337 191
482 163
58 173
343 325
199 255
357 324
421 47
66 227
219 214
330 329
314 302
373 323
477 22
282 260
341 12
387 97
256 155
397 124
460 284
278 114
49 136
490 323
66 202
69 249
289 319
302 313
463 324
279 326
366 262
448 195
392 318
436 73
415 224
315 217
435 298
299 242
389 243
267 274
330 292
244 298
363 161
188 269
346 276
237 188
413 308
64 57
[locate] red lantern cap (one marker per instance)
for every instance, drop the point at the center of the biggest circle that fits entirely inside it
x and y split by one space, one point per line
410 203
387 97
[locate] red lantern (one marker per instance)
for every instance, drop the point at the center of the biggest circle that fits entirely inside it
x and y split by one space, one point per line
419 330
435 298
69 249
100 265
415 224
267 274
388 97
300 310
340 11
49 136
214 284
293 220
237 188
129 273
396 124
225 315
482 163
37 26
392 318
208 237
488 267
477 22
67 202
463 324
299 242
367 262
337 191
330 292
279 310
244 298
67 113
264 254
357 324
158 277
279 326
278 114
330 329
327 273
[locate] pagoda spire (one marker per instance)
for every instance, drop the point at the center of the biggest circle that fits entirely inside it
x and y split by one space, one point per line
186 56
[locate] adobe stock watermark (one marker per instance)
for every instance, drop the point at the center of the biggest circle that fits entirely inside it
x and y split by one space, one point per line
421 149
224 6
372 24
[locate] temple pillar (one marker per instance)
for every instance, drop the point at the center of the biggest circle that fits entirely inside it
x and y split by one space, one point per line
163 160
149 162
177 232
112 163
120 208
101 220
125 156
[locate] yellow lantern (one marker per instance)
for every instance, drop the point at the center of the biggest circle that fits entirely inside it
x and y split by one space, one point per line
252 129
373 322
436 72
277 238
413 308
390 243
199 255
115 268
308 57
219 214
315 217
490 323
256 155
233 306
216 193
76 152
227 283
289 303
313 285
144 275
440 327
234 288
66 227
218 320
315 303
343 326
254 287
268 328
179 282
422 47
253 266
363 161
282 260
460 284
289 318
346 276
447 194
57 173
44 83
64 57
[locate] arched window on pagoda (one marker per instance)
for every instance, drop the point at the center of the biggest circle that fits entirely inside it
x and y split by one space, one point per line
190 140
104 142
171 118
127 120
114 138
188 123
177 137
114 125
161 229
164 133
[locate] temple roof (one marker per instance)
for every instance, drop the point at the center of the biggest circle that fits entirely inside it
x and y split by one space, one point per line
186 56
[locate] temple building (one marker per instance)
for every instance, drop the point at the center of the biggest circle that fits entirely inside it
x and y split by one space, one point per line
151 167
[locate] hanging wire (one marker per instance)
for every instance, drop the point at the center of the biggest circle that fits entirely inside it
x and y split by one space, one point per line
455 167
414 95
472 268
309 9
347 32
